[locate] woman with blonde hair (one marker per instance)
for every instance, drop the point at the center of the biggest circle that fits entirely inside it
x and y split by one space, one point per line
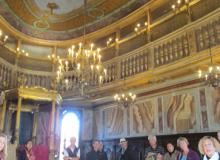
186 152
209 147
3 146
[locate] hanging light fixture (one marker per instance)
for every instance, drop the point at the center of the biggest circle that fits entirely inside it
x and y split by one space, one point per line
124 98
211 77
84 62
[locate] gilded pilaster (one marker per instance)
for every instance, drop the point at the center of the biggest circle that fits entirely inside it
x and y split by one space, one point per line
3 115
118 67
148 26
18 118
52 129
35 125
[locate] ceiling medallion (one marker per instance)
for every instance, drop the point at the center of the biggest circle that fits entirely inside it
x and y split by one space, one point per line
42 24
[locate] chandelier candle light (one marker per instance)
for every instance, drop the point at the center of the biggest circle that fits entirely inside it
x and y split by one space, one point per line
211 76
125 99
84 63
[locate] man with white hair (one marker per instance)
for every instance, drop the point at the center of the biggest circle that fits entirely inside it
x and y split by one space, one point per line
154 151
72 152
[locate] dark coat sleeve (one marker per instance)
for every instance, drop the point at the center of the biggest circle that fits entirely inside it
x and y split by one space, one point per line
105 156
22 155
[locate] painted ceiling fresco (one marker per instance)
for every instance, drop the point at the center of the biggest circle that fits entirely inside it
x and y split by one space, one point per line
64 19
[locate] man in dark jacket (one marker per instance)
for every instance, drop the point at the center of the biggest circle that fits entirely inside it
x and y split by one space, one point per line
126 152
102 153
94 153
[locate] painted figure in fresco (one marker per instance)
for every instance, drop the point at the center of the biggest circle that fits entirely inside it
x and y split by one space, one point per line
143 117
210 148
186 152
3 146
172 152
72 152
154 151
27 153
216 104
181 113
126 152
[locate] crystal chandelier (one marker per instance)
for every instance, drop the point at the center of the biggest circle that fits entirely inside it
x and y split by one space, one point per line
83 61
211 77
125 99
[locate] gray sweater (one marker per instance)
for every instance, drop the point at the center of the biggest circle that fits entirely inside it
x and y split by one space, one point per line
173 156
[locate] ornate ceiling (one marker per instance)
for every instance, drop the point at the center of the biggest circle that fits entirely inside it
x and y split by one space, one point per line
64 19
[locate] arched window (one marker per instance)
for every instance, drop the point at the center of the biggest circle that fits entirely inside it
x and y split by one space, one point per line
70 126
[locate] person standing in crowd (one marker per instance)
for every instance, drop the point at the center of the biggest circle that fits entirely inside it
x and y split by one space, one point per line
27 153
102 153
94 153
72 152
218 135
3 146
126 152
154 151
172 152
210 148
186 153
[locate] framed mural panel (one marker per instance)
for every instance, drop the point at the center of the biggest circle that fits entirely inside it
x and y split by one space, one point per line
114 122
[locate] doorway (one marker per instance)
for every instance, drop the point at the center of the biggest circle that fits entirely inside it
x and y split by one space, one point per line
70 127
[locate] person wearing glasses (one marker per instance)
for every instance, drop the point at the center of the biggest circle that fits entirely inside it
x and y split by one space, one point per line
209 147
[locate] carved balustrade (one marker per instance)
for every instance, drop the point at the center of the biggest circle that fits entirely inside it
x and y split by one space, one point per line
190 39
208 34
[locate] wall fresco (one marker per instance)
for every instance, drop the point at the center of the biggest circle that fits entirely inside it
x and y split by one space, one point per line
143 117
113 121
